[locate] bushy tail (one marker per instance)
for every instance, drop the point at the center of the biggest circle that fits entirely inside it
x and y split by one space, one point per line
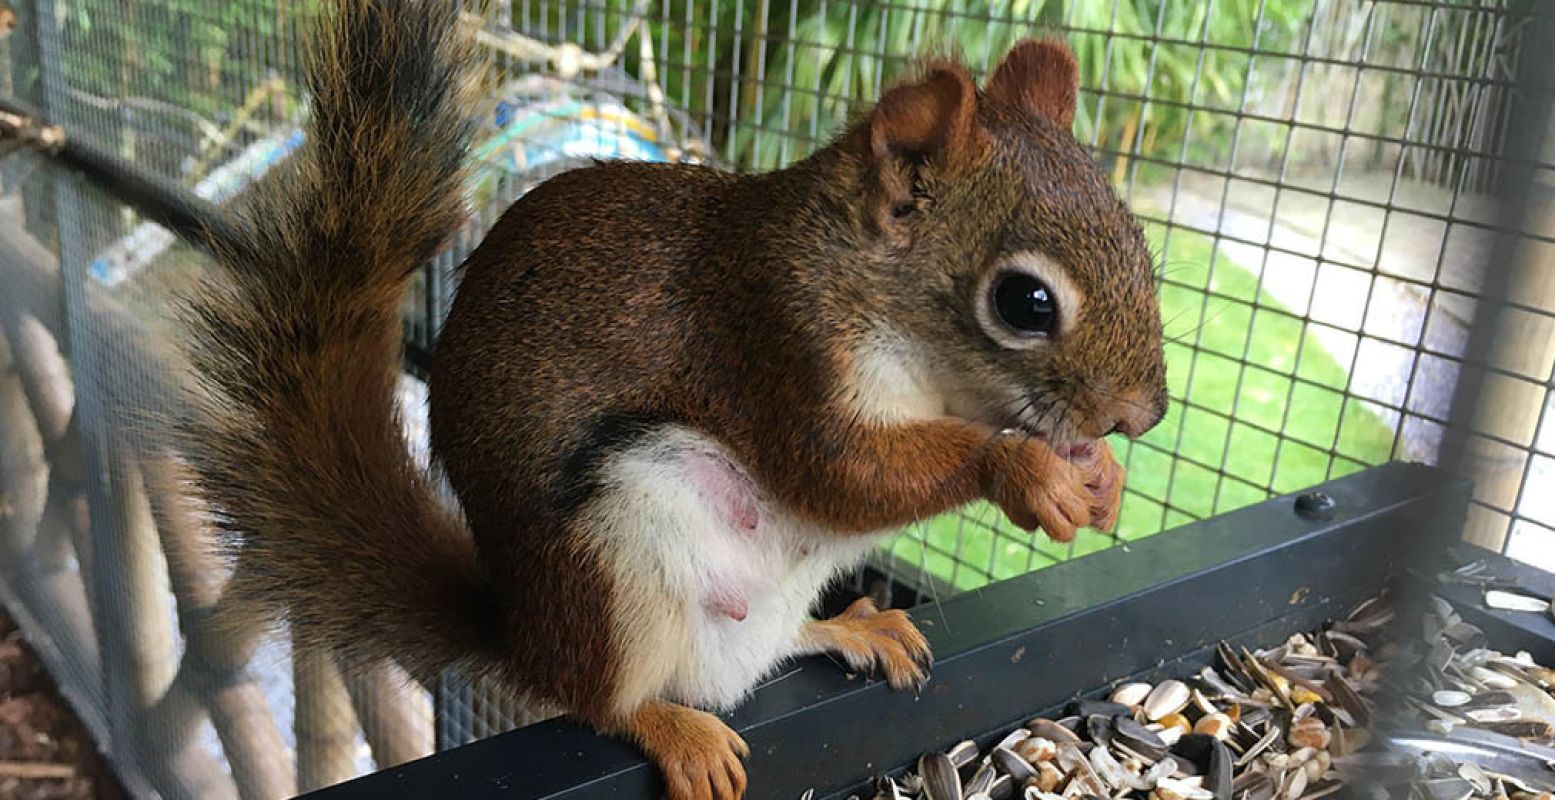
297 446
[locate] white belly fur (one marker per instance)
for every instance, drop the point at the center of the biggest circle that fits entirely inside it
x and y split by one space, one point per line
678 557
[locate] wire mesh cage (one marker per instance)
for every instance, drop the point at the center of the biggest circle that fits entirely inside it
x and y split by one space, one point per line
1322 182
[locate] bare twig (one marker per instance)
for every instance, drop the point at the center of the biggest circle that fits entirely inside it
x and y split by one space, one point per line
31 771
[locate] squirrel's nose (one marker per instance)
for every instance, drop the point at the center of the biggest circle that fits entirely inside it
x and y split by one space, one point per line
1134 414
1124 427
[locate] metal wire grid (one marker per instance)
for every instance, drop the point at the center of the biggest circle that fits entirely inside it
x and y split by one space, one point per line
1501 430
1421 104
185 89
1340 172
1452 68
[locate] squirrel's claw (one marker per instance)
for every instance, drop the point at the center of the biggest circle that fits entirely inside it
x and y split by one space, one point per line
875 641
1105 478
697 754
1036 487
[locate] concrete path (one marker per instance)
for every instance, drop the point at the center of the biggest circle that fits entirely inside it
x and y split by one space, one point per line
1358 271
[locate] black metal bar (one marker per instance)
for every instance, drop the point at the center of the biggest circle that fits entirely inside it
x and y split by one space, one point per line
418 359
169 204
192 217
1007 651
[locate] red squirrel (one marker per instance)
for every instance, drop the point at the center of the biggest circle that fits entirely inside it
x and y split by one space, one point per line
673 402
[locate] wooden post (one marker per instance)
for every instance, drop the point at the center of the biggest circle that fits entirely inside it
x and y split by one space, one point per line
139 636
32 310
1524 344
45 381
53 596
136 625
1508 406
148 665
37 543
396 715
31 320
23 468
63 527
216 657
323 721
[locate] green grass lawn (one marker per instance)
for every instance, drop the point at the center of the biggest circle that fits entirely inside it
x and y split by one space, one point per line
1212 315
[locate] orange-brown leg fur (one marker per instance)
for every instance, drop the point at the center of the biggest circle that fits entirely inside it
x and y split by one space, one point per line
1104 478
698 755
875 641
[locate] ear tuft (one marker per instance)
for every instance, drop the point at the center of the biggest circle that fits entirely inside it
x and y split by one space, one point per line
927 117
1039 76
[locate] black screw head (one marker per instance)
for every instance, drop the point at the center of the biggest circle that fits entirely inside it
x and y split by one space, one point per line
1315 506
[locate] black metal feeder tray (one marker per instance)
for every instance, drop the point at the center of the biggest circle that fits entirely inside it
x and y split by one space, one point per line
1460 575
1507 631
1012 650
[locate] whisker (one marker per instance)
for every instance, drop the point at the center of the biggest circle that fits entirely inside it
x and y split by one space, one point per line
951 479
1022 428
1207 320
1178 316
1162 275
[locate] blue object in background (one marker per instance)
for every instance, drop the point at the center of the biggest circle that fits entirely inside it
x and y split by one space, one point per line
532 136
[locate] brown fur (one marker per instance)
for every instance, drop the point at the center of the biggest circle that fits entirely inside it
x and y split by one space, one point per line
613 300
698 754
295 345
624 296
869 639
1040 77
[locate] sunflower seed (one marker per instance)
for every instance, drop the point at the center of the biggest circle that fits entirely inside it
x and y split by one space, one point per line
1053 732
1217 725
940 780
963 754
1013 738
1137 738
1515 601
980 780
1131 694
1169 697
1013 765
1036 749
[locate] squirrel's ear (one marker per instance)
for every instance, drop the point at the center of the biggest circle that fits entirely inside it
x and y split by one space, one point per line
1039 76
925 118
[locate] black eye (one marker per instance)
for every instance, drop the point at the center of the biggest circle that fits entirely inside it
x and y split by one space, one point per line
1025 304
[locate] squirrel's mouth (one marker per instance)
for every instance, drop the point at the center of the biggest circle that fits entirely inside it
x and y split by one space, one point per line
1034 420
1068 449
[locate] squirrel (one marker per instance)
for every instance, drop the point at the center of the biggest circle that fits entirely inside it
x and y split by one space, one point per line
673 402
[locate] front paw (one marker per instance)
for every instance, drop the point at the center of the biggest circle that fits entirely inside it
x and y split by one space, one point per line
876 642
1104 478
1037 488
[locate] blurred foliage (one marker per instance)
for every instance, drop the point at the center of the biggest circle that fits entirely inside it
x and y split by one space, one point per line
773 80
770 81
840 47
196 54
